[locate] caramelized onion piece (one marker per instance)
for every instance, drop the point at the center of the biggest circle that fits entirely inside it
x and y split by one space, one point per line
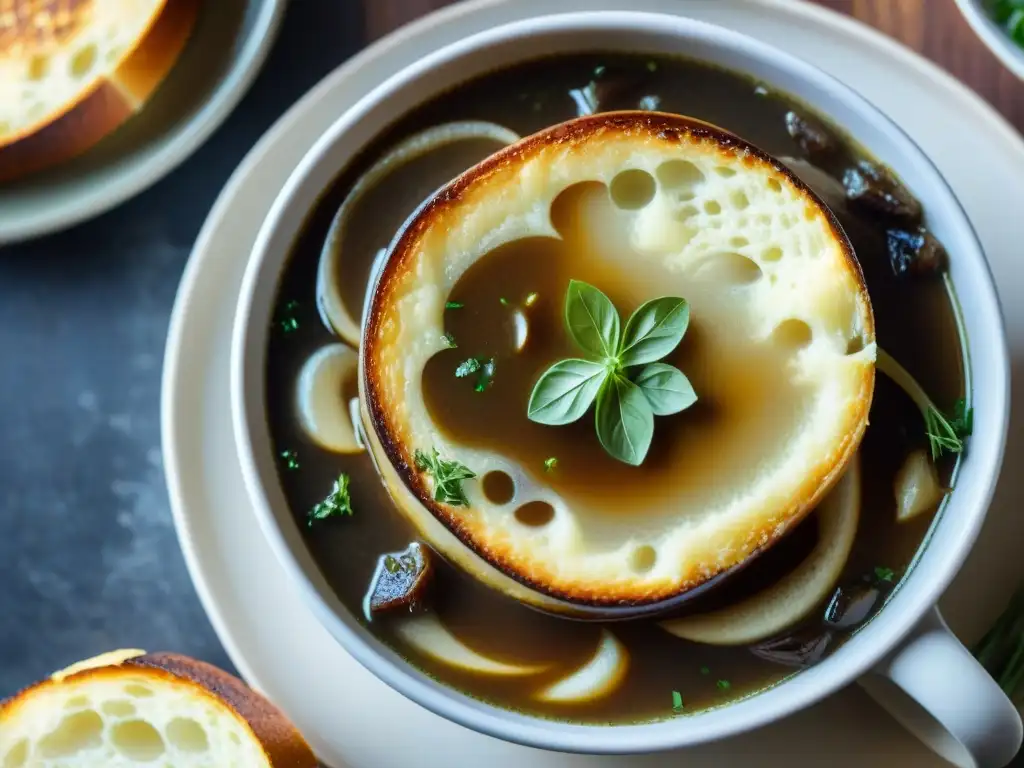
599 677
330 273
430 637
794 596
917 487
323 410
827 187
400 581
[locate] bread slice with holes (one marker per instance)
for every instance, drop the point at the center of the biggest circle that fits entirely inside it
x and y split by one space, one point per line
130 708
780 351
71 71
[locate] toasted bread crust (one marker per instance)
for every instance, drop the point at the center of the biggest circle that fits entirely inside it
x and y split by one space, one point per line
442 212
283 745
104 103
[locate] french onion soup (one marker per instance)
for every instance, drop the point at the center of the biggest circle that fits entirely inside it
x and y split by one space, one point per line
644 343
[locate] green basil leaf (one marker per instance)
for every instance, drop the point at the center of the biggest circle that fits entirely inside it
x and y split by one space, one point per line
565 391
592 320
654 330
625 421
666 389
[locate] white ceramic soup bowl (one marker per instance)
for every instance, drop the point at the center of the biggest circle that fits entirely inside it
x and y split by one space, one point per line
959 710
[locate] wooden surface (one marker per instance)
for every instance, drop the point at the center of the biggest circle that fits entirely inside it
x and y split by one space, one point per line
932 27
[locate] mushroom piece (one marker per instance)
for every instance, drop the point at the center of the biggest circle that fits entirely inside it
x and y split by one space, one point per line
813 138
796 595
331 271
875 190
324 412
599 677
430 637
915 253
800 650
400 581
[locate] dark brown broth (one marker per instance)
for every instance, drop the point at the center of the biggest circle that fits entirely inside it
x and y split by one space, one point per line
915 323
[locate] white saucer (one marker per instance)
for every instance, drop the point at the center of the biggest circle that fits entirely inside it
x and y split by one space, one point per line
350 718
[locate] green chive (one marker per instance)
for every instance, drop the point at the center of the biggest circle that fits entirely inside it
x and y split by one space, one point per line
723 685
550 463
504 301
677 701
453 305
530 299
449 341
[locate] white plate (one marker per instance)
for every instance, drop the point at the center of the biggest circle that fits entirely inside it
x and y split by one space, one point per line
174 123
352 719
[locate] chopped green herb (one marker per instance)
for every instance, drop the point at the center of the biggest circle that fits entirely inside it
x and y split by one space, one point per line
448 476
449 341
453 305
291 459
550 464
391 564
652 66
945 434
530 300
599 70
705 671
723 685
484 369
288 321
677 701
337 503
467 367
504 301
887 575
486 377
623 377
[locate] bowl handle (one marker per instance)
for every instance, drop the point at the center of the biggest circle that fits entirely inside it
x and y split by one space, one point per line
937 690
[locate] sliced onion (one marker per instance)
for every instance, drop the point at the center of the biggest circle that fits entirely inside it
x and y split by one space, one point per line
597 678
917 487
430 637
829 189
793 597
330 273
323 409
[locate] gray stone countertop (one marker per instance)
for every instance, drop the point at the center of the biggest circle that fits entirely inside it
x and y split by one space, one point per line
89 560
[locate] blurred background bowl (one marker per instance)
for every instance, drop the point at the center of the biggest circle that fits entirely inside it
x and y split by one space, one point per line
227 47
979 14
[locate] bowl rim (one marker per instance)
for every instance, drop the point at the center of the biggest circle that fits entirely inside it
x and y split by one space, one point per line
859 654
174 149
993 36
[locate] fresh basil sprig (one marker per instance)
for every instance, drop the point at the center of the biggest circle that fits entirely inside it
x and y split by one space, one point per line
623 376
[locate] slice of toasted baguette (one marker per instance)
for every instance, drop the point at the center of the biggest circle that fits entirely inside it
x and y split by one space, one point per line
71 71
129 708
